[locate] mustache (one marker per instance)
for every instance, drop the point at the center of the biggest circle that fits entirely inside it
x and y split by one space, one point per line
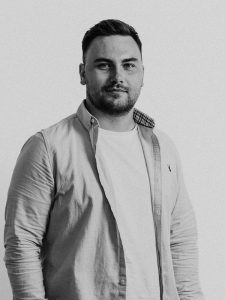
116 87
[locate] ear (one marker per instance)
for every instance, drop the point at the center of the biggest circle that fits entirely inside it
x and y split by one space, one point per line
143 76
82 74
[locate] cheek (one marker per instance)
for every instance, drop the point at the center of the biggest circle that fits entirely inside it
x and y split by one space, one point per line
136 83
96 80
101 78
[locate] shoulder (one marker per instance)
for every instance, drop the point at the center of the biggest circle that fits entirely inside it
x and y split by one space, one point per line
60 127
49 139
34 146
59 134
168 148
164 138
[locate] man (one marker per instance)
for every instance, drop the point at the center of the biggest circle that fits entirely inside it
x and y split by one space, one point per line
97 207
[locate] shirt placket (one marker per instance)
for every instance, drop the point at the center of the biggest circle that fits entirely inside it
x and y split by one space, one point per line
153 162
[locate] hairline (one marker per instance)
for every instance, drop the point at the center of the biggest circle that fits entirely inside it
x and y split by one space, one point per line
101 35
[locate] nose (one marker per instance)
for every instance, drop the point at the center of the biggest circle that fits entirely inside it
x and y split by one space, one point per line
117 76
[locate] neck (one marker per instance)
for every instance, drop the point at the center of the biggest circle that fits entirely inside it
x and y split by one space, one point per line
106 121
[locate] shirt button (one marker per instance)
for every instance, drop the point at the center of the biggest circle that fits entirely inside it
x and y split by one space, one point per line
123 281
92 121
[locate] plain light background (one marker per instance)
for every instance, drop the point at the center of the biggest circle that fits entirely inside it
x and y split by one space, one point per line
184 91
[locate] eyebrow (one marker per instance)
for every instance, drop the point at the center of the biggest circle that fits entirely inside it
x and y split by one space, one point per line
100 59
130 59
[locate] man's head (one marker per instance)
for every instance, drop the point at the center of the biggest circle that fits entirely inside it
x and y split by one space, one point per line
112 67
107 28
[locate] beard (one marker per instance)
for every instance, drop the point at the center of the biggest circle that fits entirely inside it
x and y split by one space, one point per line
112 103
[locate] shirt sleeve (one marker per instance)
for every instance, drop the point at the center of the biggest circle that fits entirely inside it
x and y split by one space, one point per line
26 216
184 244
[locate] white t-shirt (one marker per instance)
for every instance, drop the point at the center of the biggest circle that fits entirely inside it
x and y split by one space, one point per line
125 168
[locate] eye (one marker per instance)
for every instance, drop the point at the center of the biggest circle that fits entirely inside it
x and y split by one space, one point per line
129 66
103 66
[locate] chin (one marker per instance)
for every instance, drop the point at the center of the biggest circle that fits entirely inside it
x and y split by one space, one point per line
118 99
117 106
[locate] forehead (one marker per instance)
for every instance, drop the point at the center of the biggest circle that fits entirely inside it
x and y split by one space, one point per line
113 47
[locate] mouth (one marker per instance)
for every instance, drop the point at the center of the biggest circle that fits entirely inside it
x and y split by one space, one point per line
116 90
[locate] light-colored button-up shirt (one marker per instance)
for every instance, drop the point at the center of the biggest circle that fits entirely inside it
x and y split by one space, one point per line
62 238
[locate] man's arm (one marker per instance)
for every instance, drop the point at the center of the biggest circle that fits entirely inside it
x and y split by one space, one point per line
184 244
29 200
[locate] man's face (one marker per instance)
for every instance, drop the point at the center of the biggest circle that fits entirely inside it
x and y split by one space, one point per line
113 73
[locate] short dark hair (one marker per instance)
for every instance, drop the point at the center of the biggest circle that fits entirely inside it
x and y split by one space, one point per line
107 28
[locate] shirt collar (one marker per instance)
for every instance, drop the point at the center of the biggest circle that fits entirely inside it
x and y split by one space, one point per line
88 120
